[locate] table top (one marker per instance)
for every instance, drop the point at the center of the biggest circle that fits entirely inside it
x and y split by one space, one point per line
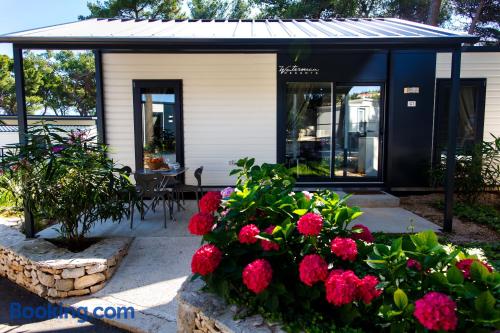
171 172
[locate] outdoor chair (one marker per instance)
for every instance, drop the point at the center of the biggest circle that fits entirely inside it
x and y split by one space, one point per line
197 189
153 186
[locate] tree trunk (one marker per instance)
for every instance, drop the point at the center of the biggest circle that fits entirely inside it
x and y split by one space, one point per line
475 18
434 10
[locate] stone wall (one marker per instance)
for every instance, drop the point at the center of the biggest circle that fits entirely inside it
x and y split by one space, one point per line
202 312
53 272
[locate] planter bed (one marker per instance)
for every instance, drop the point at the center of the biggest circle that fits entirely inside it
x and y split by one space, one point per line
203 312
52 272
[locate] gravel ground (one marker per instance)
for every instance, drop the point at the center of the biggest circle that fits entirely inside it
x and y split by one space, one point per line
463 231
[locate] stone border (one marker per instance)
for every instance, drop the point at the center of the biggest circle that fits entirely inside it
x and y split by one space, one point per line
202 312
52 272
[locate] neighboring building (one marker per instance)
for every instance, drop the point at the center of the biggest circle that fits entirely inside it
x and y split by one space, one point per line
9 131
343 102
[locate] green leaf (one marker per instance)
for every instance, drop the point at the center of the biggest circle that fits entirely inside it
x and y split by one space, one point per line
455 276
478 272
400 299
300 212
485 303
439 278
396 245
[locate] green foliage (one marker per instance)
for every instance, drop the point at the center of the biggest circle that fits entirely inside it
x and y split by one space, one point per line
475 296
217 9
263 196
66 177
135 9
476 172
57 81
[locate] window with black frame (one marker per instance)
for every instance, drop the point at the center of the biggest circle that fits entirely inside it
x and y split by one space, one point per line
470 117
333 130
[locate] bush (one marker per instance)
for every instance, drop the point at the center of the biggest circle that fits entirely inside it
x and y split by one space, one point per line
293 258
476 172
66 177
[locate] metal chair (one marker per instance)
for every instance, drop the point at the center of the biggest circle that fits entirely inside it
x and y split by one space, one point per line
197 189
153 186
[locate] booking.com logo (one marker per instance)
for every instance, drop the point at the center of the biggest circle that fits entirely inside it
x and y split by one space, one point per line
51 311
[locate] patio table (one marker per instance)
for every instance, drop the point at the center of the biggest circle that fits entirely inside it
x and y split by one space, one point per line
168 178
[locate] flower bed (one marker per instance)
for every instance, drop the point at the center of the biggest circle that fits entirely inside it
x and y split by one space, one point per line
53 272
293 258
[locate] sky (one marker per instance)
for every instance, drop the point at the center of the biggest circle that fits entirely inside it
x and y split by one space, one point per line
16 15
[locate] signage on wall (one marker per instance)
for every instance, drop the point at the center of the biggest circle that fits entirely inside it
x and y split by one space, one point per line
297 70
411 90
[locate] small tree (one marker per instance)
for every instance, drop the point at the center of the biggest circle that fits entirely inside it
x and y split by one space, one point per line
67 177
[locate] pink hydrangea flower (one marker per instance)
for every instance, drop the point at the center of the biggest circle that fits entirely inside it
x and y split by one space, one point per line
310 224
313 268
436 311
345 248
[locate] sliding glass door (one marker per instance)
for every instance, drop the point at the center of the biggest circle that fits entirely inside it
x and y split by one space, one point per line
158 123
333 131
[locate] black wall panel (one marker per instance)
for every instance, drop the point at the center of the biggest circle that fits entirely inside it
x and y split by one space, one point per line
409 129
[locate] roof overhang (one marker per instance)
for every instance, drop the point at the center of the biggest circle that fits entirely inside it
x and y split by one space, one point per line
258 34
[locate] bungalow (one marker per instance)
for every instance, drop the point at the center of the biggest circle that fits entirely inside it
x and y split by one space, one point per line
342 102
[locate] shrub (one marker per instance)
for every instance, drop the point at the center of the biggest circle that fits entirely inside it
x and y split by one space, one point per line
476 171
66 177
292 257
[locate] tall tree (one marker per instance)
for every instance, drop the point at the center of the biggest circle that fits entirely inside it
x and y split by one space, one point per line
208 9
219 9
315 9
483 18
135 9
78 80
434 10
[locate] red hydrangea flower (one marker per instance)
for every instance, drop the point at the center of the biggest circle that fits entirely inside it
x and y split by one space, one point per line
364 235
341 287
268 245
257 275
313 269
345 248
465 264
206 259
414 264
436 311
310 224
201 224
367 290
247 234
210 202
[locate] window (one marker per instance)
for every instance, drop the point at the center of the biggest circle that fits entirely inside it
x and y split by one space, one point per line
158 132
333 131
470 117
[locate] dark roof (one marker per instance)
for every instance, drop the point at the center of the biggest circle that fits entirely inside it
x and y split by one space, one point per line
328 31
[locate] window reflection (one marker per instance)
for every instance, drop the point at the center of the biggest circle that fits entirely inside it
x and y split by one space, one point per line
158 110
308 139
357 128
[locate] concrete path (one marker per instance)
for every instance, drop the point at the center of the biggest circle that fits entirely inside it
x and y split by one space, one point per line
12 293
394 220
148 278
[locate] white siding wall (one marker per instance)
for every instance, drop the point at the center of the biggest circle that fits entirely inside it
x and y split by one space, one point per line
8 138
479 65
229 104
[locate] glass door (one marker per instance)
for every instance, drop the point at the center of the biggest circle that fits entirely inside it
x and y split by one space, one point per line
309 129
333 131
158 123
357 131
